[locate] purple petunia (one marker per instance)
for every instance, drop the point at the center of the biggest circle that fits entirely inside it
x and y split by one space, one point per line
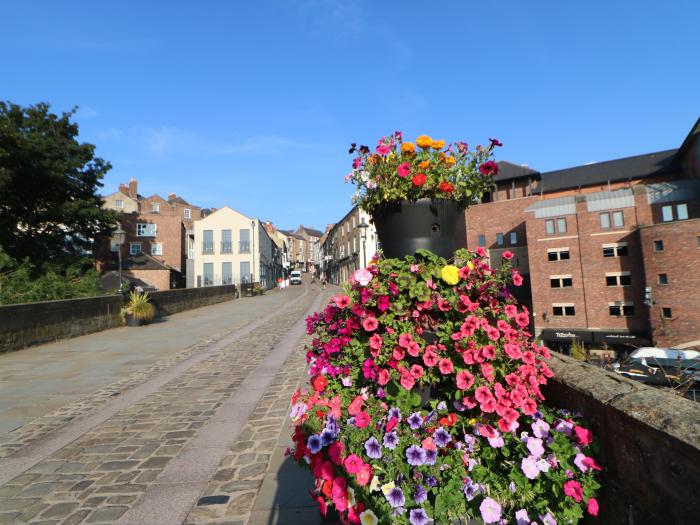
327 437
417 517
430 457
415 421
420 495
522 518
415 455
373 448
395 412
534 445
441 437
540 428
431 481
548 519
395 497
471 489
391 440
469 440
314 443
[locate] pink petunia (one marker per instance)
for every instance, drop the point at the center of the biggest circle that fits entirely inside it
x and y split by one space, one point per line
375 342
593 506
383 377
511 310
574 490
430 358
341 301
407 381
508 255
517 278
465 380
362 419
583 435
370 323
364 476
353 463
335 452
417 371
413 349
446 366
383 149
405 340
403 170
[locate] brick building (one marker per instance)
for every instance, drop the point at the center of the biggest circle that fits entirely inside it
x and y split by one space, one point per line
347 246
156 246
594 241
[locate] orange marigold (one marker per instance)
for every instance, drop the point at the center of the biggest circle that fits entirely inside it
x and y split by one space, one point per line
424 141
408 147
451 161
438 144
424 164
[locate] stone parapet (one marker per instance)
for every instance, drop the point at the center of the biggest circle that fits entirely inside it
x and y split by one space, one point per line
649 438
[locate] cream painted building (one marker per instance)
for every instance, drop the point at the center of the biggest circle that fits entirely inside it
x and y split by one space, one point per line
232 248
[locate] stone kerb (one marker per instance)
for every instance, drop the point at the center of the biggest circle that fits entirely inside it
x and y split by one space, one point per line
649 438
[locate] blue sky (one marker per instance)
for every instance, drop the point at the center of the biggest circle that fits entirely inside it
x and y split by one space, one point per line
253 104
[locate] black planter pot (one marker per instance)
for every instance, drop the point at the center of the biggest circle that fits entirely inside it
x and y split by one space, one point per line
429 224
134 321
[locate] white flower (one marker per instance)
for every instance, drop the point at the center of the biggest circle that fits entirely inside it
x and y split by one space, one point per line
351 497
374 484
362 276
368 518
386 488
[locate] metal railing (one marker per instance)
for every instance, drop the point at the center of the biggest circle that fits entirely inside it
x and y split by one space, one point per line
207 247
226 247
244 247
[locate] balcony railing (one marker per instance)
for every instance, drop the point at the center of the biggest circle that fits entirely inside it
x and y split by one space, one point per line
226 247
207 247
244 247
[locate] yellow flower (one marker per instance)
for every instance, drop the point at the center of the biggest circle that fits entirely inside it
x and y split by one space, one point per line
424 164
351 497
424 141
368 517
438 144
386 488
470 265
472 422
450 274
450 160
408 147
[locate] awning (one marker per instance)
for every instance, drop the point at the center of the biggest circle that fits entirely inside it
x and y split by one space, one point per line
566 335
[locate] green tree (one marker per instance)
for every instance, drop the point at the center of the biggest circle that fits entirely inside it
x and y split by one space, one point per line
50 212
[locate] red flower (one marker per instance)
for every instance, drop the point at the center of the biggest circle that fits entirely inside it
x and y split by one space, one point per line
446 187
419 179
489 168
320 383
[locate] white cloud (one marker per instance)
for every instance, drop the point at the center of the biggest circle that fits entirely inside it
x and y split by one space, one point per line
87 112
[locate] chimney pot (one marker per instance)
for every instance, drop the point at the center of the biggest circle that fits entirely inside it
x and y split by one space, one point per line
133 188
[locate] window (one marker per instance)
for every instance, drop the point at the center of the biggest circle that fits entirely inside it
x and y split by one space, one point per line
226 244
208 241
560 281
245 272
119 203
666 313
618 279
662 278
155 207
615 250
563 310
658 246
499 239
698 240
113 246
156 248
558 254
353 223
561 225
208 274
605 220
482 240
549 226
134 248
513 238
621 309
681 212
226 273
146 230
244 243
187 213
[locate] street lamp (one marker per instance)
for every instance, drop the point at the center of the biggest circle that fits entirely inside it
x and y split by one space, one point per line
119 236
363 235
252 254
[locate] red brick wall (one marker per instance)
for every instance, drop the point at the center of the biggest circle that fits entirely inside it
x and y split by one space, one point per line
159 279
680 260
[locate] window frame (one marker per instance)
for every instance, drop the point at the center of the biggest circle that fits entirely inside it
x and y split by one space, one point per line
513 238
131 248
561 281
566 309
606 215
617 277
481 241
666 312
143 228
119 204
187 213
658 245
624 309
500 241
558 252
685 211
159 244
621 215
662 279
155 207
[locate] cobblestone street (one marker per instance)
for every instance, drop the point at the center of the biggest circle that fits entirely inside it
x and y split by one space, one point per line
194 433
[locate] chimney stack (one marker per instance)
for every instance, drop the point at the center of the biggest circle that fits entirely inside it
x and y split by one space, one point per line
133 187
171 196
124 189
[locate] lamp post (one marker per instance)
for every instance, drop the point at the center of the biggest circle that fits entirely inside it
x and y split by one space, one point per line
363 235
119 236
252 253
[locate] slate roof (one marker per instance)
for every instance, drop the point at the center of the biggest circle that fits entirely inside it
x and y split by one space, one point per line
508 171
143 261
639 166
313 232
179 200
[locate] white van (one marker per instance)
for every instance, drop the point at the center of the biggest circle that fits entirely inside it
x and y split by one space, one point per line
295 277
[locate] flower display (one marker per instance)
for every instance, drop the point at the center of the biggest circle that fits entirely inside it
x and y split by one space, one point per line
429 168
432 404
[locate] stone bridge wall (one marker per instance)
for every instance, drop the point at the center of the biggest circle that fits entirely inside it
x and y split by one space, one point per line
650 443
23 325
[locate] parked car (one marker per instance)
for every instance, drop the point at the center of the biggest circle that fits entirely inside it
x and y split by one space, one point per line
295 277
660 366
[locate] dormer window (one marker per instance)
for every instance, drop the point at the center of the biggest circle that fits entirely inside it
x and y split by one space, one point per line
188 213
119 203
155 207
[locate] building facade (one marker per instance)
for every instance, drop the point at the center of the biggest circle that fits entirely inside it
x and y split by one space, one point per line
348 245
602 247
232 248
155 250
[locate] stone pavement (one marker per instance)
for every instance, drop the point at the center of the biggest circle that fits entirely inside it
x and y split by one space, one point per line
197 437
